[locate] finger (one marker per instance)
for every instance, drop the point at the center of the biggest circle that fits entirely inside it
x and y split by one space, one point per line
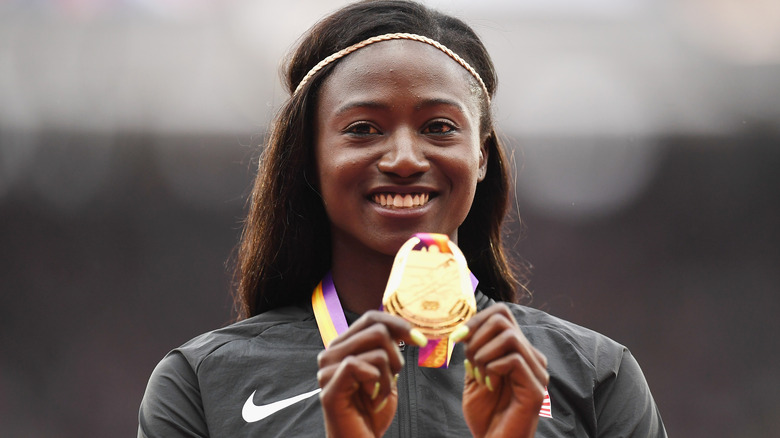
372 338
514 370
381 387
495 324
373 330
496 309
347 377
540 357
468 331
511 341
518 371
383 378
398 328
353 384
498 335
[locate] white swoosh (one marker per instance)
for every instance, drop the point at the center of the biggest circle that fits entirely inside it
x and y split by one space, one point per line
252 412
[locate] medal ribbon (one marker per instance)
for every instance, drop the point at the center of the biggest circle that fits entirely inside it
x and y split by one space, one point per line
327 310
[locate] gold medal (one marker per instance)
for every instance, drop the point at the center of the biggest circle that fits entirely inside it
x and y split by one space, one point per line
430 286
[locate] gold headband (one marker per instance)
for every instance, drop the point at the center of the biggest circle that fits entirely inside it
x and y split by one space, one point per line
386 37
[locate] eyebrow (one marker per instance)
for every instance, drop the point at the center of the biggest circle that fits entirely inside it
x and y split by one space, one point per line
441 101
360 104
371 104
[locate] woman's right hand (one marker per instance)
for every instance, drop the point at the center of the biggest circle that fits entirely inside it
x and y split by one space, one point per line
358 375
505 375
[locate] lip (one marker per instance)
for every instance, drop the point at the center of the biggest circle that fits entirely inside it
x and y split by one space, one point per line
402 189
415 194
400 200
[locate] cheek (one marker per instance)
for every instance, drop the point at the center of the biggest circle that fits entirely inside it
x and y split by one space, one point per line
339 173
326 164
328 177
336 167
468 175
464 168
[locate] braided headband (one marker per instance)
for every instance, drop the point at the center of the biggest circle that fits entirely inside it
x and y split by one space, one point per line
386 37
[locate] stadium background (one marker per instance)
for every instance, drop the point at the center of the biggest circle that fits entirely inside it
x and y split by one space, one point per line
645 132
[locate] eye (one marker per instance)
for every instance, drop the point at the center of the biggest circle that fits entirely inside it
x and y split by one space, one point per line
361 128
439 127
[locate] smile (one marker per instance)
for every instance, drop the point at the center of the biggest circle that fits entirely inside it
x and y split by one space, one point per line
398 200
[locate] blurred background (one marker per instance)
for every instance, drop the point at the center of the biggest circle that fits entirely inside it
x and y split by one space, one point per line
646 135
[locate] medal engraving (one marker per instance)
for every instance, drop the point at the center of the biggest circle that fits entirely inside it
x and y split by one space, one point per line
430 289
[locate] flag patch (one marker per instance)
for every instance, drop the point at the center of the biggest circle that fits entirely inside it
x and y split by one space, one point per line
546 410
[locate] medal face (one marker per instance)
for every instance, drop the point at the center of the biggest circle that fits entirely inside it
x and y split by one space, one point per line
430 289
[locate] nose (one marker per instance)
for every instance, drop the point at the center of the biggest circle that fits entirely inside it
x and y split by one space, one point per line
404 157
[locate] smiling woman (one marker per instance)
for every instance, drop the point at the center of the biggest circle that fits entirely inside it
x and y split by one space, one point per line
387 135
397 120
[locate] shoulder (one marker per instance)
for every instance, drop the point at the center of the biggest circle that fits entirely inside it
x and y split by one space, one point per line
190 381
278 323
592 377
582 353
547 332
182 369
551 329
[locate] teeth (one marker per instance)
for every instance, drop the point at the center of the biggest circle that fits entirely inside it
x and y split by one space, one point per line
398 200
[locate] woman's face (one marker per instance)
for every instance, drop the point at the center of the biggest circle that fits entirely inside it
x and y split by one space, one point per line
397 145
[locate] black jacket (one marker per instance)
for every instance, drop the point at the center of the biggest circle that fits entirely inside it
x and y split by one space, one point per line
213 384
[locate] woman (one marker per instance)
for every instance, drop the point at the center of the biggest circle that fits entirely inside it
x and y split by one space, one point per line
387 133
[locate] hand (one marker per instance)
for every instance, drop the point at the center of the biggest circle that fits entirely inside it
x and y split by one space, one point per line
505 376
358 375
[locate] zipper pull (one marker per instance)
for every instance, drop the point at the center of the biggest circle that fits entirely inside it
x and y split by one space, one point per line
401 345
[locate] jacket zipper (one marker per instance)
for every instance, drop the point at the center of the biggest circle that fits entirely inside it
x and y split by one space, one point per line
407 406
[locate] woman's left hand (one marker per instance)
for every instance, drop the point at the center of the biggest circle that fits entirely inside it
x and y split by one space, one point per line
359 393
505 376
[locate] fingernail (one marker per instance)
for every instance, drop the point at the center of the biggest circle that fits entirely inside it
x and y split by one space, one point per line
418 337
381 405
459 333
477 375
469 368
488 383
376 390
395 379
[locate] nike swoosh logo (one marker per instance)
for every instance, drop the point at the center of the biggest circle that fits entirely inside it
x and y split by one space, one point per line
252 412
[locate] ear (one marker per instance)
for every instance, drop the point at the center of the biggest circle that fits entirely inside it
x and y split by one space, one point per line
483 160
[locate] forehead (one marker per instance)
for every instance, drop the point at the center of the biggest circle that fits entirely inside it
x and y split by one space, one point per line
403 65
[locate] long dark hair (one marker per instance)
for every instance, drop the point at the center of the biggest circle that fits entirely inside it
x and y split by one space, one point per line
285 247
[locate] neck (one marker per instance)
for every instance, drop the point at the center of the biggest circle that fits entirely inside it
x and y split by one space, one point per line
360 278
